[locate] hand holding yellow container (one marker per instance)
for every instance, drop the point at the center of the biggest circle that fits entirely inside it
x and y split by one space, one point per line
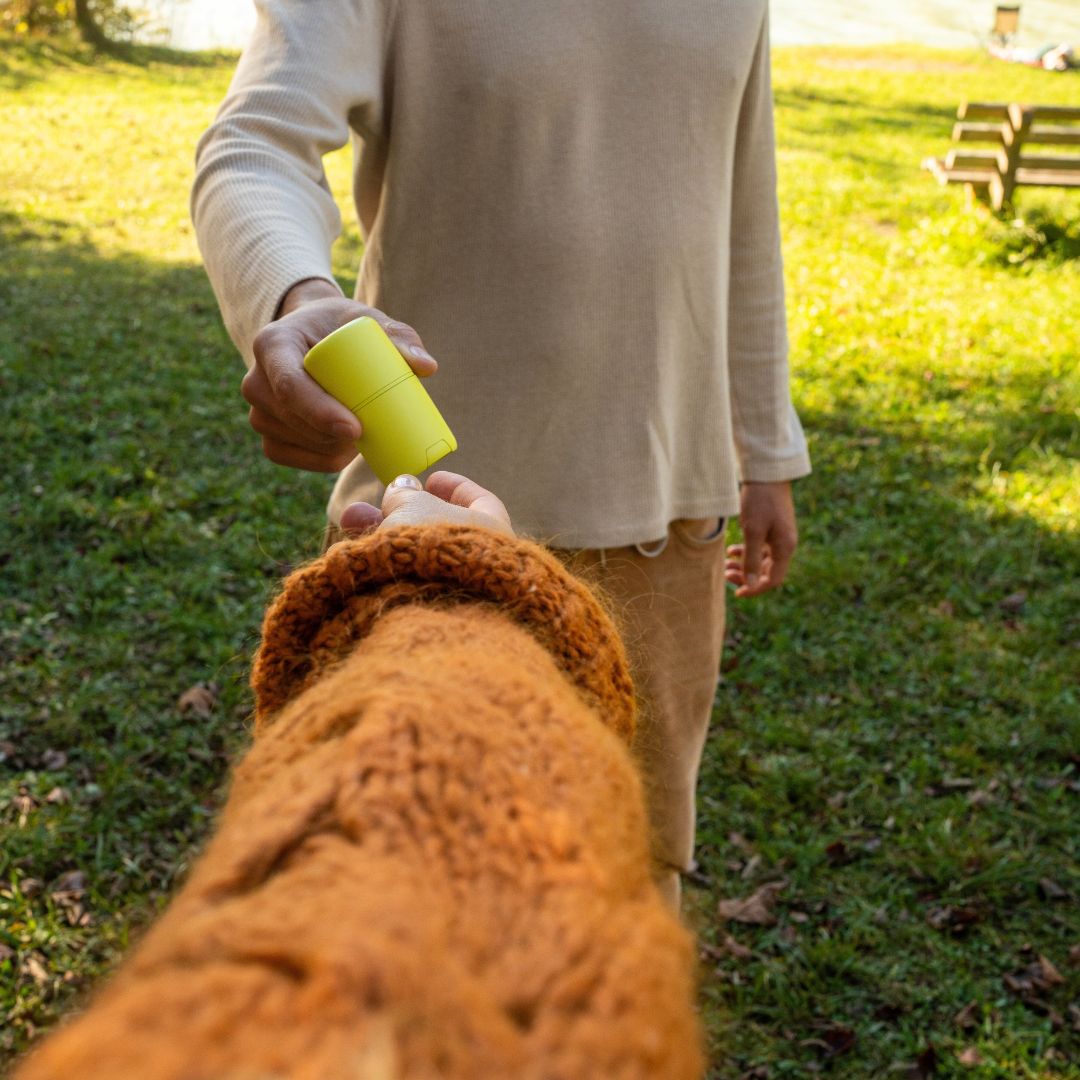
401 429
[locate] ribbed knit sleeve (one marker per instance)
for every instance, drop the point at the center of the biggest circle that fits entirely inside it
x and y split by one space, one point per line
433 861
263 212
768 436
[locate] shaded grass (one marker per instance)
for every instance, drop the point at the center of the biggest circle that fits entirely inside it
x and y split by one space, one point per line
891 741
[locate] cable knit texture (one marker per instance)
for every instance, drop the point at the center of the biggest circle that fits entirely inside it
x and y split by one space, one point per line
432 863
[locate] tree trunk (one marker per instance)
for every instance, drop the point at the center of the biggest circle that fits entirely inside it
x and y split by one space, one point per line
89 30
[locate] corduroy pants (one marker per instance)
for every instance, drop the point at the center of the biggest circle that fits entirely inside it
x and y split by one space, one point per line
669 596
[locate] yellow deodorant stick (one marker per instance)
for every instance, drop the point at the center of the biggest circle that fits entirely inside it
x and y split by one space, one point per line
402 430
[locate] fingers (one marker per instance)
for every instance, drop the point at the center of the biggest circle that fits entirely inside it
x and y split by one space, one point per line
461 491
360 517
409 345
753 550
407 503
399 494
301 425
279 386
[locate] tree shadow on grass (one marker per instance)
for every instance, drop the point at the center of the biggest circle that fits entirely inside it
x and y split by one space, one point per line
141 535
1030 236
920 660
25 61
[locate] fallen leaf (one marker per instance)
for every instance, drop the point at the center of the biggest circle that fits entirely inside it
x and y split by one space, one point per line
199 699
839 1039
53 760
1014 602
968 1017
756 909
58 795
30 886
33 967
736 949
737 840
728 947
837 853
798 916
956 920
751 867
72 882
969 1057
1051 890
1050 974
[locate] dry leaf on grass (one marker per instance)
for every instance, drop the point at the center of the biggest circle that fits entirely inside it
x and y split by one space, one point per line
728 947
1051 890
755 909
1050 974
53 760
968 1017
956 920
1014 602
37 971
969 1057
199 699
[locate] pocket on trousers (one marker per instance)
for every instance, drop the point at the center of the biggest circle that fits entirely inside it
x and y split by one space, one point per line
700 534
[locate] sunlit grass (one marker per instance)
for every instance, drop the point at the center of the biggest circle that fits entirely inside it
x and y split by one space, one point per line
912 696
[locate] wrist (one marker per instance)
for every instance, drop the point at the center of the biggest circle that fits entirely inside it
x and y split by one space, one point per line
303 292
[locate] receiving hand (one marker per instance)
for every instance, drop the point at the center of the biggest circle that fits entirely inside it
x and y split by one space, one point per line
770 536
449 497
300 423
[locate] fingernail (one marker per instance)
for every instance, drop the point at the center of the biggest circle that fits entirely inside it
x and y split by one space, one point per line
417 353
406 481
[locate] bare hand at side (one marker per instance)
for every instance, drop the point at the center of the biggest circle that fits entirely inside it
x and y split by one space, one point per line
770 536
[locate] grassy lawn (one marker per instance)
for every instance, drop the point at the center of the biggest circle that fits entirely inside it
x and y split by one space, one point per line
897 745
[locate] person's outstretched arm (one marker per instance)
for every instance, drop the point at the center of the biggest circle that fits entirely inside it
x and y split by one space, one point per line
434 859
265 218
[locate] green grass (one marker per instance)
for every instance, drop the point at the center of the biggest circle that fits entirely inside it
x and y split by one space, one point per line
890 740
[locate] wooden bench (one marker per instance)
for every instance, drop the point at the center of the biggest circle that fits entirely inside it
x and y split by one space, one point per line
1011 129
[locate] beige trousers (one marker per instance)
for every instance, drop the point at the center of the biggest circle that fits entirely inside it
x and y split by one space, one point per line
669 597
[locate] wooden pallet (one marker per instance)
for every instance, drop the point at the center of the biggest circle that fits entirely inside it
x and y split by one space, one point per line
1011 128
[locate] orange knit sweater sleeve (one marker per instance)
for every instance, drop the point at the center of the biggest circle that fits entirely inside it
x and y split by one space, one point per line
433 862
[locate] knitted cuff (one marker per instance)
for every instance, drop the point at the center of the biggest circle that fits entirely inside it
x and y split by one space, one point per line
329 605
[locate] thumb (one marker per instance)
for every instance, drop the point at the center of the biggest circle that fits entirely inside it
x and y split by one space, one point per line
399 493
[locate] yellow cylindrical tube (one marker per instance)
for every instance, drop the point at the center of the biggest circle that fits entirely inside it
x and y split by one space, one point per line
402 430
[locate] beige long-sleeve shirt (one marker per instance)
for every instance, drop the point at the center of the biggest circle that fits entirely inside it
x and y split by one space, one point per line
574 203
